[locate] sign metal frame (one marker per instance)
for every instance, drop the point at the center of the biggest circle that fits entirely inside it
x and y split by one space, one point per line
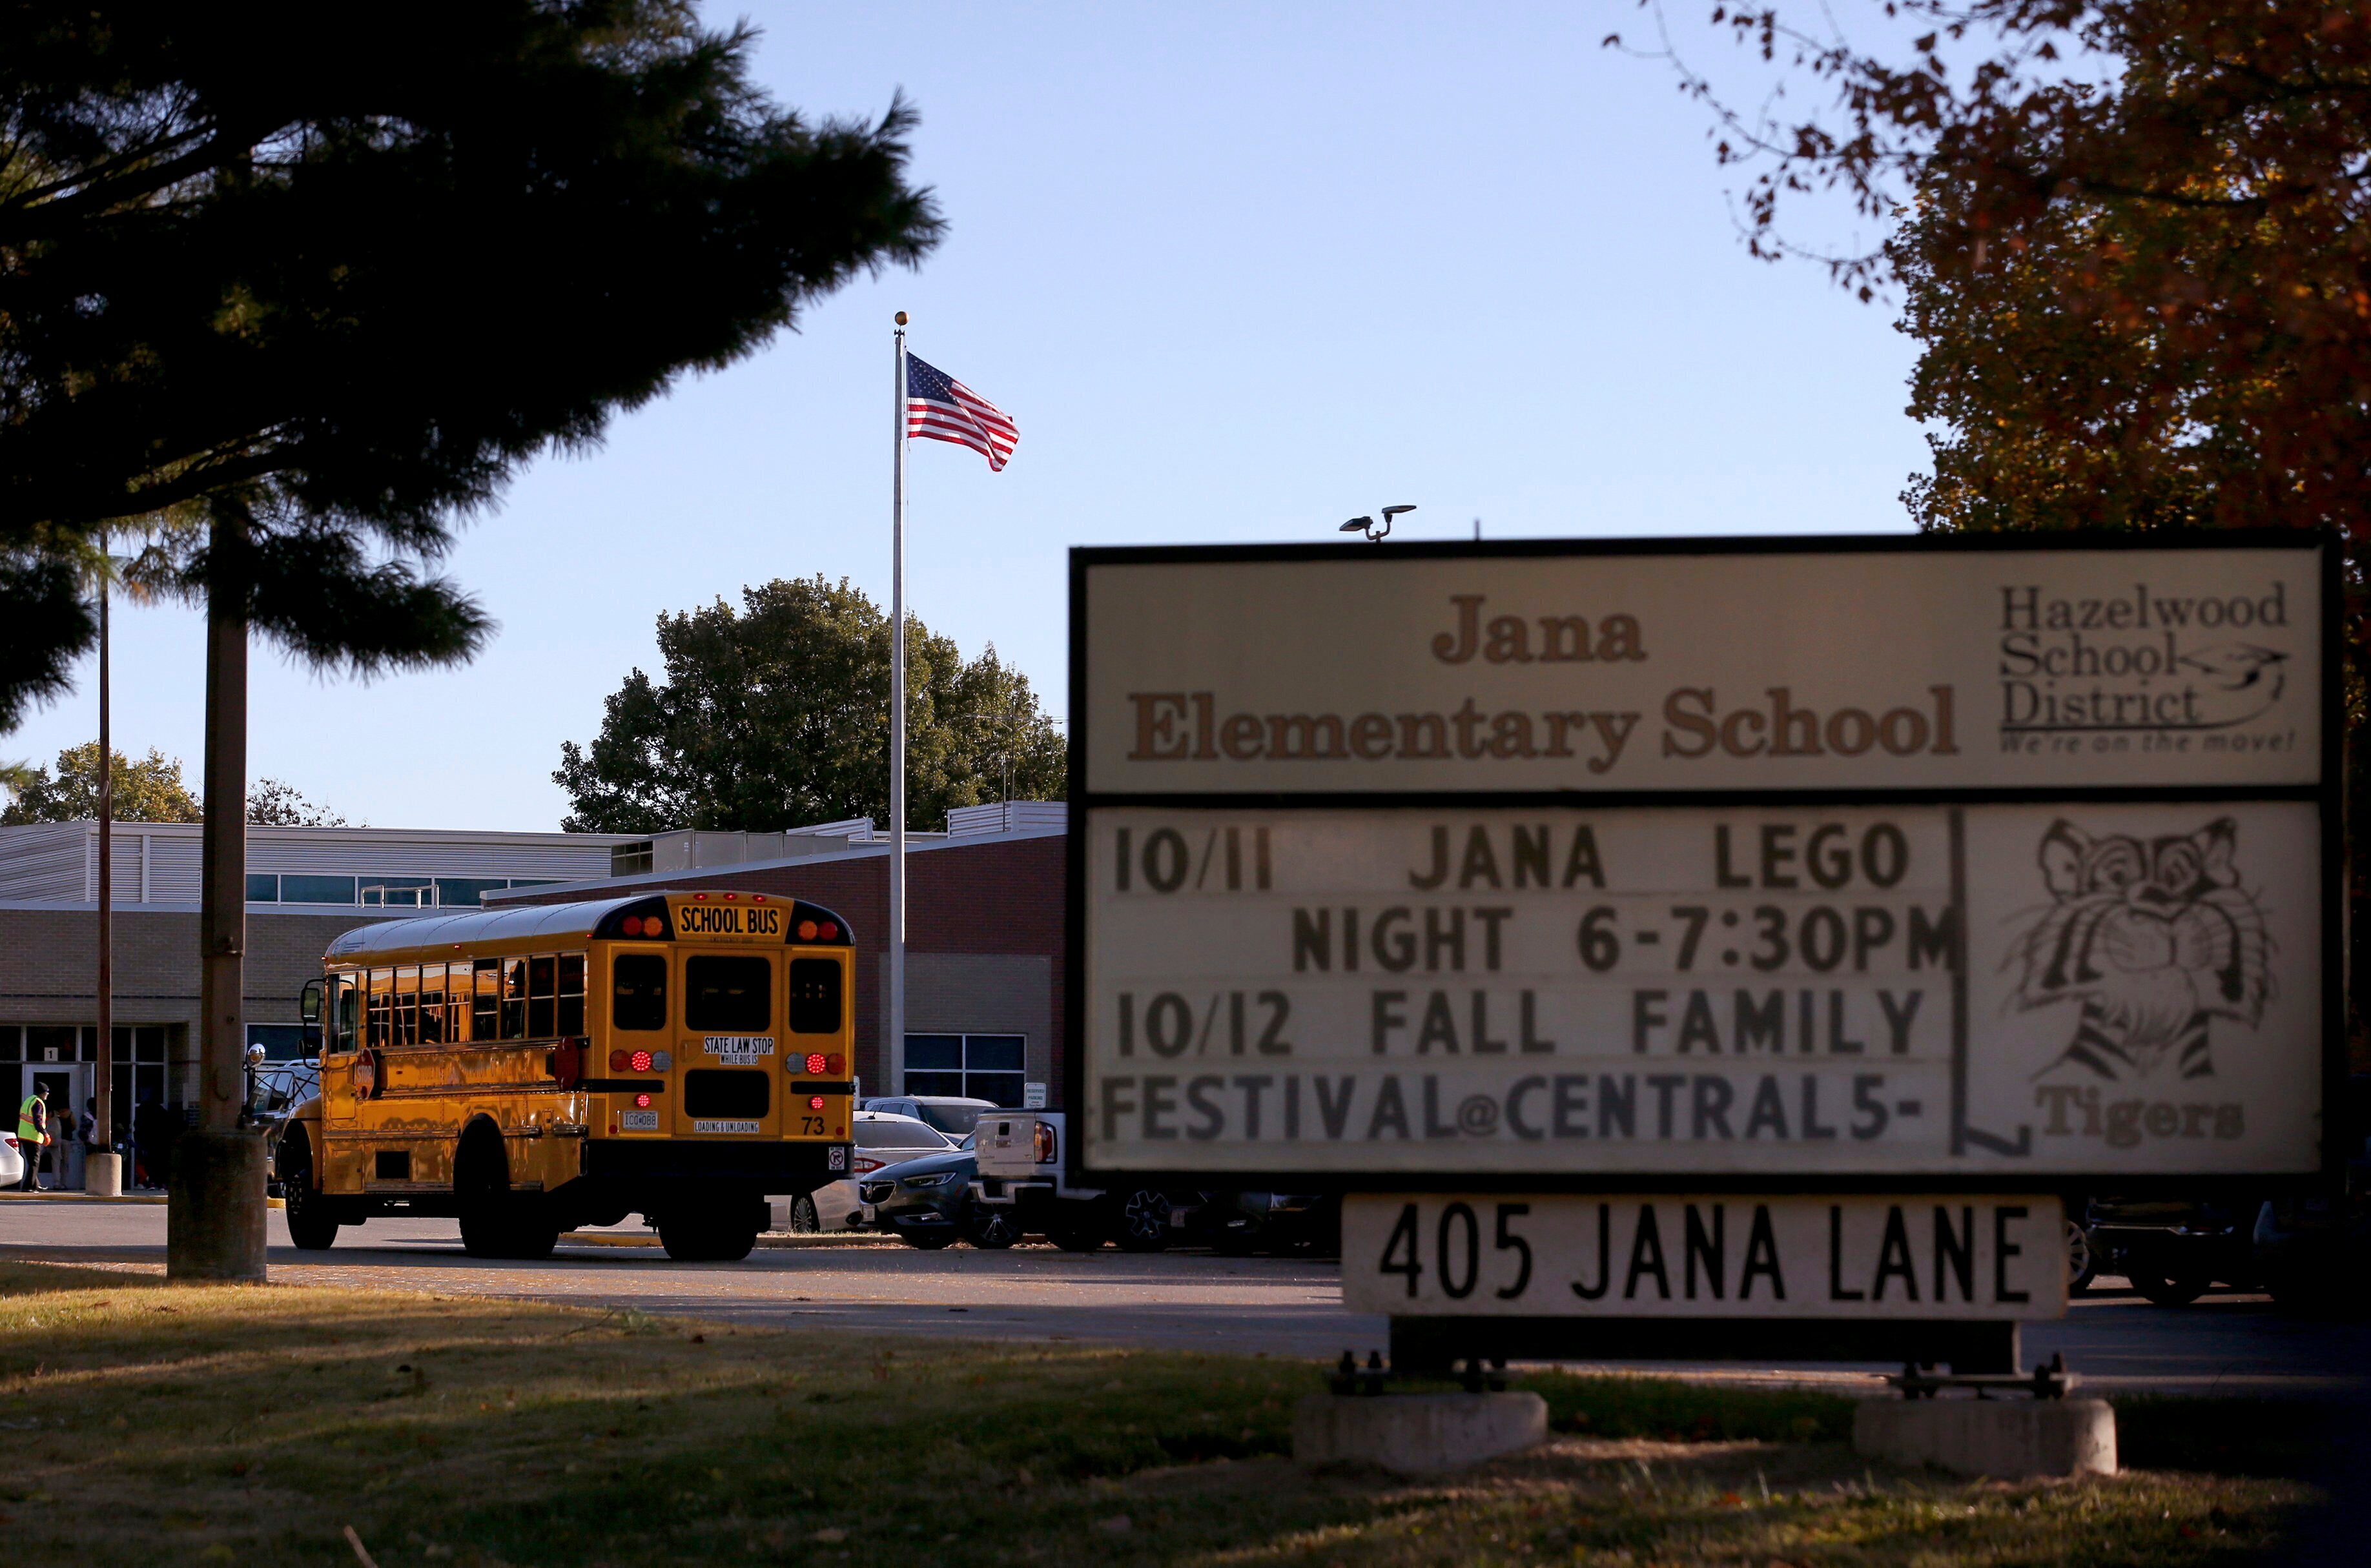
2327 796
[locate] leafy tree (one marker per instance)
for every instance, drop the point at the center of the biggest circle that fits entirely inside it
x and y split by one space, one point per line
151 789
272 804
777 713
2130 237
294 286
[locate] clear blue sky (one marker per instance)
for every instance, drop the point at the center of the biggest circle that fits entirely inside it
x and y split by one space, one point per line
1239 271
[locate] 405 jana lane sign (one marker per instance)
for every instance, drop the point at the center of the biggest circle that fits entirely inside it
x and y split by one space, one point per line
1604 869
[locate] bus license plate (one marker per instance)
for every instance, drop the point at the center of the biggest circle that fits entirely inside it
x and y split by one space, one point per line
744 1049
706 1127
640 1121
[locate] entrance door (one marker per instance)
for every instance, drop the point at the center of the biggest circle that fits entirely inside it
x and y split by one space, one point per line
69 1084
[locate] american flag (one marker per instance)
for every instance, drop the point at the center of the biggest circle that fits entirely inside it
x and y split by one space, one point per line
940 407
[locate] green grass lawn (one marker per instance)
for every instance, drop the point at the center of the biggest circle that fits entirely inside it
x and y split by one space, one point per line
152 1424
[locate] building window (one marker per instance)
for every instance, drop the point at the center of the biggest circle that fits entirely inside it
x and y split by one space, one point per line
281 1041
399 892
466 892
380 892
139 1071
630 860
974 1067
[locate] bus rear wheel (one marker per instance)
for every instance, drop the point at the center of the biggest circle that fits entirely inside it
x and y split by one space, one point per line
495 1221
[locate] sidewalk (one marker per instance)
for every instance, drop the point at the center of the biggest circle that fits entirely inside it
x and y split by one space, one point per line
51 1196
621 1237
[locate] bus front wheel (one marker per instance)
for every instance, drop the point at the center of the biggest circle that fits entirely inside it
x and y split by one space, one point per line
312 1222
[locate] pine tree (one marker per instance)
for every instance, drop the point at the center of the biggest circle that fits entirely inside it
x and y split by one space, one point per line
295 286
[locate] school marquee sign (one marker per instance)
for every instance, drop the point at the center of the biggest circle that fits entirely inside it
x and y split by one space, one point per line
1958 864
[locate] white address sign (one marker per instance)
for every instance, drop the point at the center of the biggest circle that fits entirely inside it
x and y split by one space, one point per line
1944 1256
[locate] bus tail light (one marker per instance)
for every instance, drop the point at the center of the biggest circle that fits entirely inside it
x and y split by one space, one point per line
1044 1143
641 1102
814 1102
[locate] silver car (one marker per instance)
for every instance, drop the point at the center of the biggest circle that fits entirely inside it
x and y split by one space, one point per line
881 1139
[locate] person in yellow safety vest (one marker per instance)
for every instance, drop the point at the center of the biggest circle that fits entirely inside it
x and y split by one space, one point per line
32 1134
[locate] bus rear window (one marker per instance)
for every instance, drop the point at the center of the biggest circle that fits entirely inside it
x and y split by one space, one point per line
815 995
730 994
638 991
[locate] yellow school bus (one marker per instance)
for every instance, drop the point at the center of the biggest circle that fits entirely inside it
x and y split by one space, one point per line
680 1055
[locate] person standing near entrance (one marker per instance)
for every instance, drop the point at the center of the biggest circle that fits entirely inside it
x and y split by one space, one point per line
32 1133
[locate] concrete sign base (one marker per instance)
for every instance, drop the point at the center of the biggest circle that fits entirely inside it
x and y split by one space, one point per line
1416 1434
2005 1438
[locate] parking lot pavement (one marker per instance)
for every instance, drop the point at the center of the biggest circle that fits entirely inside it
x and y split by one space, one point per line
1279 1306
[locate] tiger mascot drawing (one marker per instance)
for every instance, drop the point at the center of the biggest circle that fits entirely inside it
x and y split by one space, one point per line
2154 936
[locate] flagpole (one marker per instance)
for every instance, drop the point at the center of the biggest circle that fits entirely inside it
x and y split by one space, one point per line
896 1062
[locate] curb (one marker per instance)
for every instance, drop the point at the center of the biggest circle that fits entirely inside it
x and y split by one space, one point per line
771 1241
12 1196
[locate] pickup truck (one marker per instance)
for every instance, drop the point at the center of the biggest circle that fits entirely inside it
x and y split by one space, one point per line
1021 1190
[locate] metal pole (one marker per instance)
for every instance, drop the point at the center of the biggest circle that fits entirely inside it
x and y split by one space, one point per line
897 1008
103 1113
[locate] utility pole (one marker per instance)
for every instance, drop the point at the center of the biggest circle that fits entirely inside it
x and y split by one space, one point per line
214 1213
103 1170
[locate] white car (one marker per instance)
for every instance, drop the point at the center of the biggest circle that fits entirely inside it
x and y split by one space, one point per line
12 1161
953 1114
881 1139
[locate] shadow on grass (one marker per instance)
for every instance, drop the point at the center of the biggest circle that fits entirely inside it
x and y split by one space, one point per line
151 1423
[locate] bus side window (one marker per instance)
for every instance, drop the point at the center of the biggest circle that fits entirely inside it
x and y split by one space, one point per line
432 1004
638 991
815 995
347 1016
571 995
485 1001
514 998
382 1007
407 1005
539 978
